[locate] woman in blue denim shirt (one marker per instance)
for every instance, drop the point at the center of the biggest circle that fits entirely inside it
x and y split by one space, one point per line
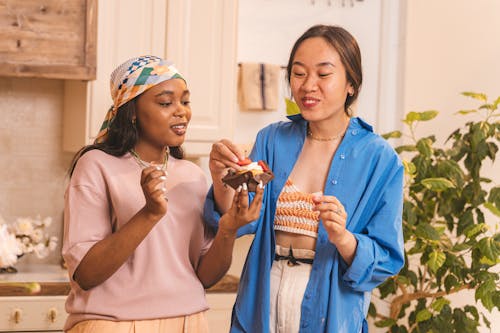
330 226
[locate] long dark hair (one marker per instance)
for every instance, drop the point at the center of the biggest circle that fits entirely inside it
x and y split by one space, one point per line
347 48
122 136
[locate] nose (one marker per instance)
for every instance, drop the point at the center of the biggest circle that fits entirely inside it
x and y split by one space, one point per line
310 83
181 110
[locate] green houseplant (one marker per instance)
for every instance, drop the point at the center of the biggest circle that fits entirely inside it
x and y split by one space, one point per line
450 246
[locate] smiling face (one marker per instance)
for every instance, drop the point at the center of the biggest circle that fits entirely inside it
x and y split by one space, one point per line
163 113
318 80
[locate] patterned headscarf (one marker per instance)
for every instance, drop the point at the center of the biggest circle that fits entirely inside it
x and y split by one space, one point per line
131 79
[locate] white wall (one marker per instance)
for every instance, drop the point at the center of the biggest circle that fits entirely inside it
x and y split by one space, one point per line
269 28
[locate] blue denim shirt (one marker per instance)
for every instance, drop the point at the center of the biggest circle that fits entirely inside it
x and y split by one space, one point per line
366 175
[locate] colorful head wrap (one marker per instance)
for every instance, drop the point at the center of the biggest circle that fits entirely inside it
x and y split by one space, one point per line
131 79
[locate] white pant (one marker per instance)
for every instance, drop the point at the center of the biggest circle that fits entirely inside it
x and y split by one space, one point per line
288 284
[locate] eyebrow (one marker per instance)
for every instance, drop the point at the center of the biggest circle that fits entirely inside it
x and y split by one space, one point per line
321 64
170 92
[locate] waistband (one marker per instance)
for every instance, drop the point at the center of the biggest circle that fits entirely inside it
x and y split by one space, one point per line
294 256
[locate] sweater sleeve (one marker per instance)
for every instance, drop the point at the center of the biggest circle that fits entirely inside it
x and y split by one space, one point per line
87 217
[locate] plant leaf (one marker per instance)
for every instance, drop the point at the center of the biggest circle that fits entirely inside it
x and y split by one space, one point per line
479 96
403 148
424 146
410 168
391 135
489 248
372 310
423 315
436 260
449 282
385 322
484 293
420 116
292 109
466 111
437 184
438 304
427 231
496 102
491 207
473 230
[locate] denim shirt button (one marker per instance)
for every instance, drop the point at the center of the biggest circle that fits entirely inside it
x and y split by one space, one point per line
354 132
334 182
308 296
342 156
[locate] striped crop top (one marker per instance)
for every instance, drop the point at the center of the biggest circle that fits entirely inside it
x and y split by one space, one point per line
294 212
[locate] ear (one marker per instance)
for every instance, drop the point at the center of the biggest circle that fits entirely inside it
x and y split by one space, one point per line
350 90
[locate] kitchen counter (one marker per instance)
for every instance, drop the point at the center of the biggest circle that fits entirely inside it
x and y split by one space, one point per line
53 281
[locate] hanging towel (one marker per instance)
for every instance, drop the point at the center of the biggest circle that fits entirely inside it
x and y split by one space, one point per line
258 86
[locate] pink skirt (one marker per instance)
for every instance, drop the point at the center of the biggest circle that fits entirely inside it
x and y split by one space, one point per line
195 323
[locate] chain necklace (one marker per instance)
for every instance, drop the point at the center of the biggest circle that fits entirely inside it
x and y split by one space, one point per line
143 164
317 138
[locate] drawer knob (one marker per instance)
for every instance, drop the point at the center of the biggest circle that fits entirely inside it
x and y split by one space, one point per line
52 315
17 315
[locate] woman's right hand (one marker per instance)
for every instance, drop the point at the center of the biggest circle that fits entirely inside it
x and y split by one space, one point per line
151 179
224 155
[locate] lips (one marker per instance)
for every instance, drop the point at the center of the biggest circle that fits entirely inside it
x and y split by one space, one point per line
309 102
179 129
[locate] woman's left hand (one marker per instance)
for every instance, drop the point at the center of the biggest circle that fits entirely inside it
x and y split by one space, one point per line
334 217
241 213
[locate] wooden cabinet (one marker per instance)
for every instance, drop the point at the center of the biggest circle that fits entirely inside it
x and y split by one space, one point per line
199 36
48 39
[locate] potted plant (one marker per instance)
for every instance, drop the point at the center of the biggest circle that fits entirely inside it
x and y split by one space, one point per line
450 245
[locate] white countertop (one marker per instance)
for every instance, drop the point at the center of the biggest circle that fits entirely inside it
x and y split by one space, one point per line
36 273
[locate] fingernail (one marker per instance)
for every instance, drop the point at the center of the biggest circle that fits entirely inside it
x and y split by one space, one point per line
261 185
245 187
158 167
317 195
239 189
163 178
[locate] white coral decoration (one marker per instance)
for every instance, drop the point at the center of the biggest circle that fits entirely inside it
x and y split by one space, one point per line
9 247
29 236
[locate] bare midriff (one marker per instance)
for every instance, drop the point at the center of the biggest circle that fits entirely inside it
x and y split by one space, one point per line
297 241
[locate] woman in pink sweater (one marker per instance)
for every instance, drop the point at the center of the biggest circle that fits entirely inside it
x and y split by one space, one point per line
138 252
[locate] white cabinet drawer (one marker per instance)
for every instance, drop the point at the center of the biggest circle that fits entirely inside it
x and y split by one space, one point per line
32 313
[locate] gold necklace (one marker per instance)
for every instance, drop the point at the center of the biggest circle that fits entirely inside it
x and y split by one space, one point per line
317 138
142 164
